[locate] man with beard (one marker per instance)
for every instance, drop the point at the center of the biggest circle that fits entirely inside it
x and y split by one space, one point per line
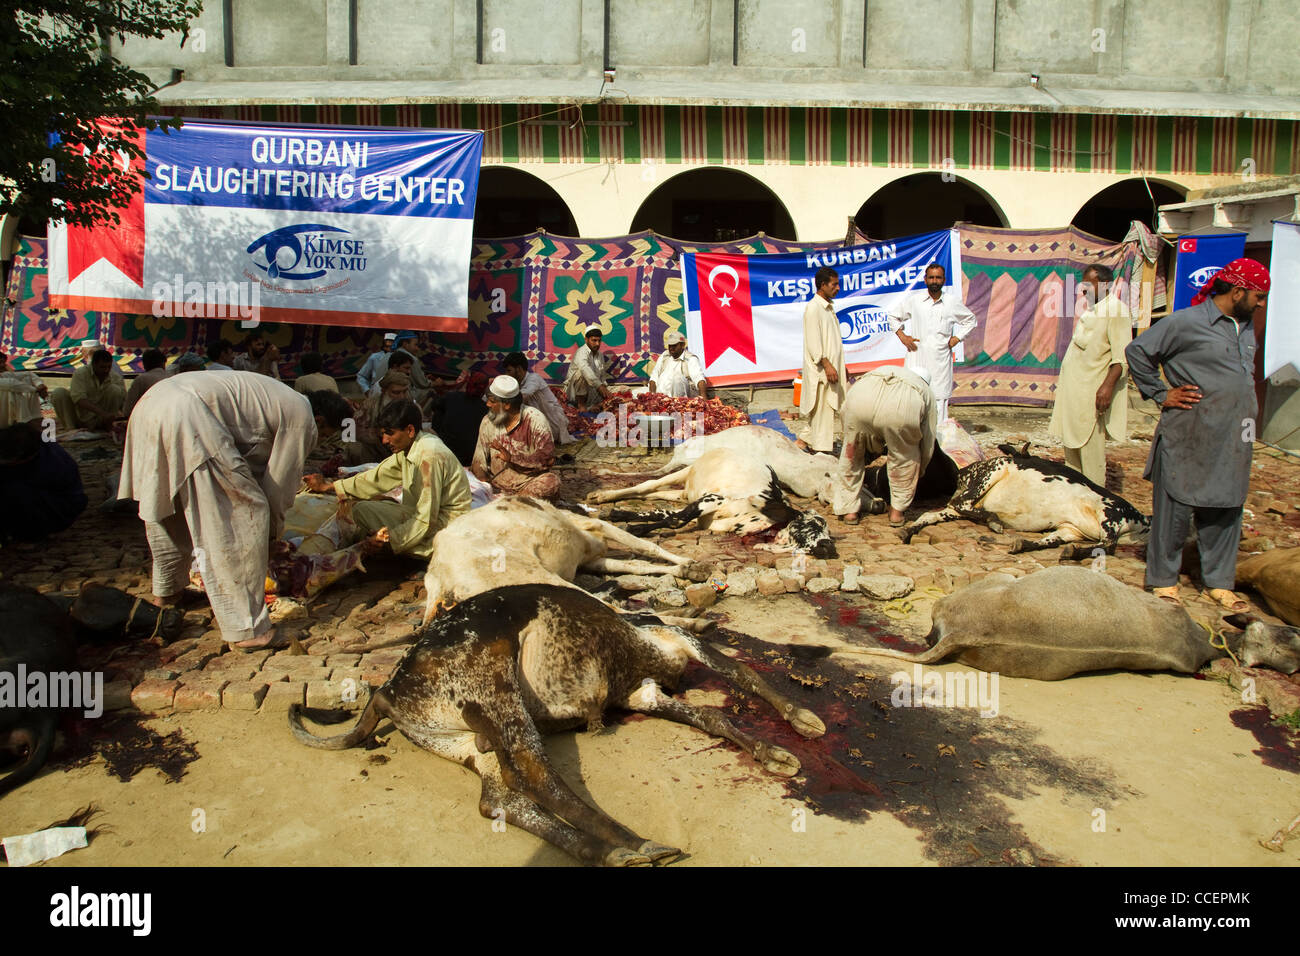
1199 466
930 325
434 487
678 373
262 357
515 451
585 384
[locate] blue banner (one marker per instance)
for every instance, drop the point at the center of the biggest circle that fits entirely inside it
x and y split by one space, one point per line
745 313
1199 257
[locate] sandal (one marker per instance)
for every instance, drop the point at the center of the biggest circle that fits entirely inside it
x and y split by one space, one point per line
851 518
1169 594
897 524
1227 600
277 642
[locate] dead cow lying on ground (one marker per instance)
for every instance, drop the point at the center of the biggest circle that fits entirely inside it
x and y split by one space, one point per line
525 541
39 634
727 493
1066 620
488 678
1022 492
804 475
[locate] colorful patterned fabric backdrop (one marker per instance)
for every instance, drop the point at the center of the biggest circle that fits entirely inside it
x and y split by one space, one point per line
538 293
1017 283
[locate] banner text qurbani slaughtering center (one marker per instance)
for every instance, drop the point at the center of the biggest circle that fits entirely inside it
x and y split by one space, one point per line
366 227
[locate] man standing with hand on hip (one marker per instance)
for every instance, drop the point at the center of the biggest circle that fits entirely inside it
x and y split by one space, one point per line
824 378
1087 408
930 325
1200 456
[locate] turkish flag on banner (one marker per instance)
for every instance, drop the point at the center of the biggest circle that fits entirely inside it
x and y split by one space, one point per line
726 306
1186 245
122 245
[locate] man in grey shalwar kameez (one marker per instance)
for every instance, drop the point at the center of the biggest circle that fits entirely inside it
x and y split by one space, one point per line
215 461
1200 456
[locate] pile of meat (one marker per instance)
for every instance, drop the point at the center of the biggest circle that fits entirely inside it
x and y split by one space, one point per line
712 414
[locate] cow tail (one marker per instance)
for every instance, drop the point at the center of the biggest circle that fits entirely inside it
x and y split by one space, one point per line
36 756
361 731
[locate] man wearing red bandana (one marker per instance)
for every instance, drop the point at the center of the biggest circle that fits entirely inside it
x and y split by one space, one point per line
1199 465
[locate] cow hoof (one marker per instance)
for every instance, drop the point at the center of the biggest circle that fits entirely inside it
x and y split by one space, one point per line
806 723
658 853
877 506
622 856
778 761
1018 545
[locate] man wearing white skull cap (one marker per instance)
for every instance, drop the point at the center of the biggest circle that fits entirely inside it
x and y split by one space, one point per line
678 373
515 450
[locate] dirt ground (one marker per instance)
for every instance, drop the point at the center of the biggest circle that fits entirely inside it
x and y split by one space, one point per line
1108 769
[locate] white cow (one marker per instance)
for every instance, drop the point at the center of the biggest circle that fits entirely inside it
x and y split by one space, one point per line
727 492
808 476
521 540
805 475
1022 492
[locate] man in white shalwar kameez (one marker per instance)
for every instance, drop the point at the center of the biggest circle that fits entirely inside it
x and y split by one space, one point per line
824 377
215 461
537 394
585 384
678 373
931 324
888 408
1087 409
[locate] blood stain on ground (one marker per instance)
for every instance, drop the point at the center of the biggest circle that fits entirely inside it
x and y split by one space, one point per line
942 771
1279 746
127 747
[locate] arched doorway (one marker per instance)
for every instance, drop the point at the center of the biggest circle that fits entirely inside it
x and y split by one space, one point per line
1109 213
713 205
512 202
925 202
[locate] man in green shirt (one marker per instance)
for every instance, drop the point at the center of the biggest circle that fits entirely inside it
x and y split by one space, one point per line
434 487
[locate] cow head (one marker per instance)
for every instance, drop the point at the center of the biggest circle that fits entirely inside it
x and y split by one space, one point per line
806 532
1273 645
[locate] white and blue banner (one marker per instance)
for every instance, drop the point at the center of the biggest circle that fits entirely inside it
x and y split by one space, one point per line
1282 332
744 314
1199 257
363 227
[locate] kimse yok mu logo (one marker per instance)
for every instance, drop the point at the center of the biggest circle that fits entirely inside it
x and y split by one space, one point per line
861 322
1202 276
307 251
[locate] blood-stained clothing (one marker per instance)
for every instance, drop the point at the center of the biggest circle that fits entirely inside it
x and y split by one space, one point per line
215 460
434 491
537 394
517 460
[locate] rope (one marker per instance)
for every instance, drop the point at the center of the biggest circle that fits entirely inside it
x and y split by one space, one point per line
158 621
899 608
1222 636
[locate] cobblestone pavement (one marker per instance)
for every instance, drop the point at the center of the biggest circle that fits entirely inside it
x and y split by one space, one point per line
329 663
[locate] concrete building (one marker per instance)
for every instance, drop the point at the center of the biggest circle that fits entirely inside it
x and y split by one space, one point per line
725 117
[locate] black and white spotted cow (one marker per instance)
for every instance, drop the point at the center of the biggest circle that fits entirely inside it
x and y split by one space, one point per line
727 493
1022 492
